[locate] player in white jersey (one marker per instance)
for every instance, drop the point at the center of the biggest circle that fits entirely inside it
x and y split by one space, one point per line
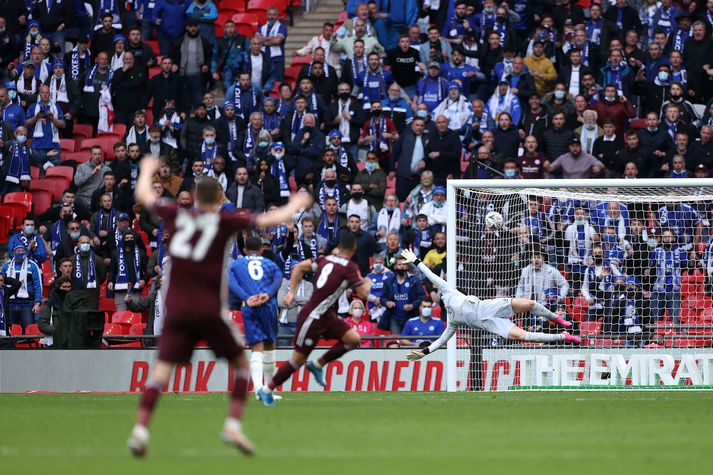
492 315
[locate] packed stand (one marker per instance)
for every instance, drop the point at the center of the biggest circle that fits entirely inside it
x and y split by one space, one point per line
371 117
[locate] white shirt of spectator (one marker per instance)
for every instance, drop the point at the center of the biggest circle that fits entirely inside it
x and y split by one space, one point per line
574 81
256 70
361 210
417 154
344 125
436 215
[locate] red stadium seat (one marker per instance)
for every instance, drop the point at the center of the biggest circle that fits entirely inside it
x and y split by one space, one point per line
301 60
33 329
50 186
137 329
34 172
4 229
61 171
20 197
79 157
637 124
67 145
249 18
263 5
16 212
259 13
246 29
107 304
113 329
153 44
126 318
116 129
154 71
83 131
590 328
42 201
237 5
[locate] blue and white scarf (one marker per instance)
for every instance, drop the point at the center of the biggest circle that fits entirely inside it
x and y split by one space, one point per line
56 232
324 193
278 170
208 154
381 93
30 43
238 101
421 238
679 39
110 222
74 67
343 157
594 31
89 83
501 29
356 63
19 169
79 274
326 230
378 135
249 141
123 279
297 123
3 326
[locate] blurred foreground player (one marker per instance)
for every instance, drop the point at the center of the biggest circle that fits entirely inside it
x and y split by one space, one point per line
492 315
194 307
318 318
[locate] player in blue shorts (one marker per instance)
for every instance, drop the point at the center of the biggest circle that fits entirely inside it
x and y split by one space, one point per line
255 280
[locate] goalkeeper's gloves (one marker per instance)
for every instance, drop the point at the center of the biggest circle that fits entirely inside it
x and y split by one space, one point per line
408 256
415 355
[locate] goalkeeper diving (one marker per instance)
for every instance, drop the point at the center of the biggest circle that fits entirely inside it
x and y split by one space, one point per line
492 315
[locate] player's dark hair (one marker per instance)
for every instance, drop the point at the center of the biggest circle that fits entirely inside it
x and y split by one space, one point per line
253 243
347 241
208 190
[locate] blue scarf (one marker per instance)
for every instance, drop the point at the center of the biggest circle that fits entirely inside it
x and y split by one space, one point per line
679 39
365 88
29 45
501 29
107 6
122 278
89 83
57 230
325 230
343 157
281 108
249 141
323 195
19 169
75 67
238 101
378 134
421 238
208 155
355 66
3 327
594 31
278 170
297 123
110 222
161 246
79 274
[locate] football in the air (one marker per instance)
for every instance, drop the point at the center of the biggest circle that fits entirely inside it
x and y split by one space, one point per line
494 220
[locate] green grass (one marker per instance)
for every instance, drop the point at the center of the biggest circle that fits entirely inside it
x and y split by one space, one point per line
369 433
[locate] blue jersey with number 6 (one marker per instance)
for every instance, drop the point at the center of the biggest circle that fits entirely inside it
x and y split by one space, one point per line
254 275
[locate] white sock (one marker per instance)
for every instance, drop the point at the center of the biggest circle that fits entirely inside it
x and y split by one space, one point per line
256 369
543 337
233 424
541 311
268 364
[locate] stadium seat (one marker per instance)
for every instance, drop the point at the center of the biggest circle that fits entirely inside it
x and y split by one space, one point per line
15 212
15 330
107 304
4 229
106 143
20 197
33 329
260 13
113 329
34 172
41 200
245 28
248 18
82 131
48 186
137 329
79 157
116 129
153 44
590 328
637 124
62 171
126 318
301 60
67 145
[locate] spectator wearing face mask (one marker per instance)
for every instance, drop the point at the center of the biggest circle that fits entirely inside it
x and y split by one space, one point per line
126 272
13 113
358 321
17 159
67 234
378 275
402 298
36 250
25 304
52 309
436 210
422 325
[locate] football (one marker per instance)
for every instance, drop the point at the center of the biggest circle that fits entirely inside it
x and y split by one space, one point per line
493 220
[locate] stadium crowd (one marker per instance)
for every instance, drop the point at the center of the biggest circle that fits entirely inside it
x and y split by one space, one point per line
375 113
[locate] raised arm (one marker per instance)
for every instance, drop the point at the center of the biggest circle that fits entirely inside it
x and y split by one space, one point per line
145 195
283 214
445 336
410 257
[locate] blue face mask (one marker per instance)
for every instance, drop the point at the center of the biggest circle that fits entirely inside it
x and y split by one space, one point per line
580 222
378 268
370 166
421 114
29 229
510 173
85 247
438 205
20 257
74 235
426 312
389 208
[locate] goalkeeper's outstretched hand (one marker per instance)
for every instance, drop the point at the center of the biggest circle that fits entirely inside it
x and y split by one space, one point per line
408 256
415 355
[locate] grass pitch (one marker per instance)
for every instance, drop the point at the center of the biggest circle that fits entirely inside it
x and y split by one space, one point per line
368 433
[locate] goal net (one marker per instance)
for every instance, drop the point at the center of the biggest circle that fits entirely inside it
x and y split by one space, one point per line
628 261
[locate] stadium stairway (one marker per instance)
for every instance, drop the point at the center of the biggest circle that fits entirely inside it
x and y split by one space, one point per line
310 24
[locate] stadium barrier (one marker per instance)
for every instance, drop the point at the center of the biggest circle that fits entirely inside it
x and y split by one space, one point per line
120 371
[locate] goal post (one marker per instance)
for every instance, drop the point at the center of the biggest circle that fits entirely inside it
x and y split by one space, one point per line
628 261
